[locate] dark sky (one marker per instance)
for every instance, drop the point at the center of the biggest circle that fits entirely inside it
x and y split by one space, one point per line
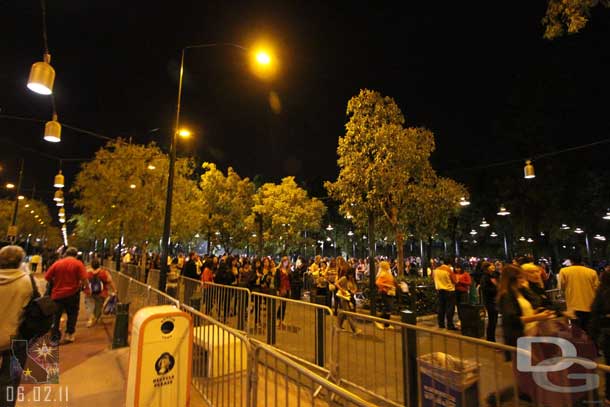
479 75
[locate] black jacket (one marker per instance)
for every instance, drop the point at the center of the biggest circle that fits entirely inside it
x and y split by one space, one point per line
190 270
489 291
599 324
511 318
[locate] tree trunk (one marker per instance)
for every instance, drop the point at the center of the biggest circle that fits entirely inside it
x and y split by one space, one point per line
400 258
372 265
259 220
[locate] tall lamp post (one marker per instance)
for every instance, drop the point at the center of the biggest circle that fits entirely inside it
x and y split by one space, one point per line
262 58
12 232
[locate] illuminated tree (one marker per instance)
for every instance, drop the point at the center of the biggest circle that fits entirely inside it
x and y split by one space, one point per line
284 213
122 192
568 16
226 203
30 216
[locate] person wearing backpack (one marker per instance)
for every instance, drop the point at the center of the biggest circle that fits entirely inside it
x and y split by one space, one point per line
15 294
96 291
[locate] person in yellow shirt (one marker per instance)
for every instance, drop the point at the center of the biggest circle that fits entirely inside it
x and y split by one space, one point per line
444 282
579 284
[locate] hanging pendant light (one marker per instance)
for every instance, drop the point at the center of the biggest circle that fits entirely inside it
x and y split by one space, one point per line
62 212
42 76
607 215
503 211
493 234
62 220
473 232
59 180
59 203
484 224
464 201
52 130
59 195
528 170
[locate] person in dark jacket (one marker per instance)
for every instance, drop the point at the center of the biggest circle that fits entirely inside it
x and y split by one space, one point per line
599 323
224 277
189 270
296 279
489 292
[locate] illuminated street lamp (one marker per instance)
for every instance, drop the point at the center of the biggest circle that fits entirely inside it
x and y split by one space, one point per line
493 234
59 195
579 231
522 239
52 130
464 201
530 240
473 232
151 167
329 228
21 197
607 215
9 185
528 170
260 60
59 180
600 237
503 211
564 227
484 224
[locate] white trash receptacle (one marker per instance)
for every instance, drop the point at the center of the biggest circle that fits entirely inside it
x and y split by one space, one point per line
160 358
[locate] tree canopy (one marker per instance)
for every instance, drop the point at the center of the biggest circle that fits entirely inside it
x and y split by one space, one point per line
568 16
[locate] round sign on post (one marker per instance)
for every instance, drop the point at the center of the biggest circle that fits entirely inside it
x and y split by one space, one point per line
160 358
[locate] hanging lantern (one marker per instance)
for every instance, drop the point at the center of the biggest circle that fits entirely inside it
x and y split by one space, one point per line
52 130
62 220
59 180
503 211
59 203
62 212
464 201
59 195
42 76
528 170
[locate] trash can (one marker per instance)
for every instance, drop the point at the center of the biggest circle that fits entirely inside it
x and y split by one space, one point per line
448 381
473 320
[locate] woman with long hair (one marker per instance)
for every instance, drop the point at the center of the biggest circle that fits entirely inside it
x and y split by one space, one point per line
386 285
518 315
282 282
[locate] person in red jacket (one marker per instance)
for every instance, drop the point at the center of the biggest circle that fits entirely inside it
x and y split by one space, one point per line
462 286
67 277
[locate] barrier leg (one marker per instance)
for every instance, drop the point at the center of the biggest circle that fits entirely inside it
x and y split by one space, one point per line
409 359
121 323
271 307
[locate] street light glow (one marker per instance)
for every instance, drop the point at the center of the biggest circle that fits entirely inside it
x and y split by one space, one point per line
607 216
184 133
329 227
263 57
493 234
484 224
578 230
473 232
503 211
132 186
21 197
564 227
10 185
151 167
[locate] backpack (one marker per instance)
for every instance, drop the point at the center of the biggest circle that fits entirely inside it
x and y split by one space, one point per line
96 285
37 315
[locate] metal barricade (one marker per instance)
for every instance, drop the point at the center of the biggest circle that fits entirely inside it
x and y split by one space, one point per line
226 303
381 361
153 278
279 381
298 328
189 291
221 362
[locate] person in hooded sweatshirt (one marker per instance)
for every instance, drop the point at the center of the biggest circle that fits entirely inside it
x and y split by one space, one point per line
15 293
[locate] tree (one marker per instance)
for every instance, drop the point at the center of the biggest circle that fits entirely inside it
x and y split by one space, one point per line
227 201
286 213
33 218
121 193
385 173
568 16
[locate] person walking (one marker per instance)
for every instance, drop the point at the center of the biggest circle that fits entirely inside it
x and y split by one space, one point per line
579 284
96 291
346 288
444 283
67 276
489 294
190 271
386 286
15 293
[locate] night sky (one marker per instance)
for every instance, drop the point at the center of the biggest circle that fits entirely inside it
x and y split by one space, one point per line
479 75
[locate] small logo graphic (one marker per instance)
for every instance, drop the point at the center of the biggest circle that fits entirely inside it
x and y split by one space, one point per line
164 364
36 362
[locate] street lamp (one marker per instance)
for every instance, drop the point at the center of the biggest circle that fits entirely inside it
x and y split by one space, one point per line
9 185
564 227
464 201
528 170
503 211
329 227
484 224
260 59
52 130
59 180
493 234
607 215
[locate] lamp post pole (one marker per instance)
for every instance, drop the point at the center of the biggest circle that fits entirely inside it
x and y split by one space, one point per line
12 237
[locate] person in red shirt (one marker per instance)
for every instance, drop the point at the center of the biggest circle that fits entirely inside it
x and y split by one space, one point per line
67 276
462 286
